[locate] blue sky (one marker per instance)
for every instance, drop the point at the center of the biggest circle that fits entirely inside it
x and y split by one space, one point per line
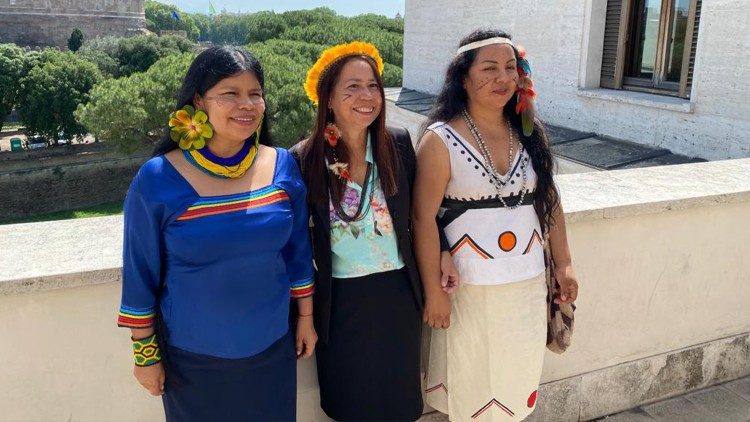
343 7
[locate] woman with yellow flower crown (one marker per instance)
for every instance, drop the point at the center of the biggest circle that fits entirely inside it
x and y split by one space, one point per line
368 299
215 247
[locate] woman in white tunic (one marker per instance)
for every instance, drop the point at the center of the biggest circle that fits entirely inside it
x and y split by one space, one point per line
485 169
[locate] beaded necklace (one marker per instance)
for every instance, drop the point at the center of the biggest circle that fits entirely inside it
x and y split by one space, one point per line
225 168
364 202
495 177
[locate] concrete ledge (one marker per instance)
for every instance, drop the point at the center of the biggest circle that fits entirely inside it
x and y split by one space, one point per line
623 193
60 254
644 99
94 246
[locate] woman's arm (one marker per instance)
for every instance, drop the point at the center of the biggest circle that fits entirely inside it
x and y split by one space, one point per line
449 278
433 174
298 257
141 274
564 273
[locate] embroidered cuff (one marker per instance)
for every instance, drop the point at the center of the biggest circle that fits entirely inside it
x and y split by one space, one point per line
303 288
136 317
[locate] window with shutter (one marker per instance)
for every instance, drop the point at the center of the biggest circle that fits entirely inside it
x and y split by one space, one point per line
649 45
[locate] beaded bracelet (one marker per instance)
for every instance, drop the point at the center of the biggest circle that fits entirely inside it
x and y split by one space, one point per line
146 351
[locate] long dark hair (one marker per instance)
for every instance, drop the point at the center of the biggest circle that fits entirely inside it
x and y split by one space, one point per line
315 150
208 68
452 99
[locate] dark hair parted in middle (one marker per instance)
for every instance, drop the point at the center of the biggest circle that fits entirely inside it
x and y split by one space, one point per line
316 150
452 99
208 68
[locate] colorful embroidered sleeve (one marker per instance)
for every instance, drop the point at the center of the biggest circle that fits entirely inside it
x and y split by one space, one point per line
141 259
297 252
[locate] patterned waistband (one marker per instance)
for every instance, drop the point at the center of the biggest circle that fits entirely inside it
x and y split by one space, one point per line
454 208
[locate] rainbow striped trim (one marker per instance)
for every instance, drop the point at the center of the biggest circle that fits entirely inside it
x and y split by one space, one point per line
136 317
239 202
303 288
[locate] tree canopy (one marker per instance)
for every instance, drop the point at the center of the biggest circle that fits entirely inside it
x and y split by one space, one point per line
12 68
123 89
51 91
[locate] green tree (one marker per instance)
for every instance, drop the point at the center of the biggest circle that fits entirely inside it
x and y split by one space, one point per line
159 17
205 26
132 112
265 26
102 51
390 44
12 68
76 40
290 111
392 75
52 90
137 54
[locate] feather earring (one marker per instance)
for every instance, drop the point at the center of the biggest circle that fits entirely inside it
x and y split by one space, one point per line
525 93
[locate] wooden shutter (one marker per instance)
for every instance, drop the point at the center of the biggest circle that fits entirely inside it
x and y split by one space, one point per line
615 40
688 55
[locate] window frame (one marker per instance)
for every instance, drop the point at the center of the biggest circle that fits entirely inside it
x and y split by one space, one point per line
627 26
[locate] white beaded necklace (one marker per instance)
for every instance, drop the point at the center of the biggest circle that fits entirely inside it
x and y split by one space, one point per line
495 176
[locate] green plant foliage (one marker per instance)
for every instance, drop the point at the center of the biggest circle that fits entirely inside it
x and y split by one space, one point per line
12 67
392 75
137 54
159 17
390 44
133 111
118 56
76 40
52 90
290 112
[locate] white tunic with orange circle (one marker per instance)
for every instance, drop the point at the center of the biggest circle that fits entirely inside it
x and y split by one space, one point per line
490 243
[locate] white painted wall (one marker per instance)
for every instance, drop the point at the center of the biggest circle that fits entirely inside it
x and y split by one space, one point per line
563 39
659 253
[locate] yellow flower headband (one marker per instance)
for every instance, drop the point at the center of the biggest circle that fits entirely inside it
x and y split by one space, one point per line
331 56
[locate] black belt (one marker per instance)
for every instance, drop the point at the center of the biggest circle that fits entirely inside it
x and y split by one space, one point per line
454 208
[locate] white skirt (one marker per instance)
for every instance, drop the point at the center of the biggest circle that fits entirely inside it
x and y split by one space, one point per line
487 365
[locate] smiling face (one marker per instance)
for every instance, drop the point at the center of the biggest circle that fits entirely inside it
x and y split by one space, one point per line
355 99
234 106
492 77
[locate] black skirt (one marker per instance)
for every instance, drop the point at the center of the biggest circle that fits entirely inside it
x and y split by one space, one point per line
257 388
369 369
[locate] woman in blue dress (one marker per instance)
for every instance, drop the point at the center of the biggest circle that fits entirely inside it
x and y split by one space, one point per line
216 245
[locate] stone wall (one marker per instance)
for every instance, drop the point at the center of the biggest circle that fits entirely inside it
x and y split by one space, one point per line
65 187
40 23
564 42
55 156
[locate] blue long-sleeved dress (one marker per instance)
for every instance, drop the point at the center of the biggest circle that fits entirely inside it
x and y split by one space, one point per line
220 269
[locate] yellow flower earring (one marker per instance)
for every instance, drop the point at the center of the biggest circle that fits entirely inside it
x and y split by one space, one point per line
190 128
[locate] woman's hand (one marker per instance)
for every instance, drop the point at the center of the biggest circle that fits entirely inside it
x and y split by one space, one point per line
437 310
306 337
151 378
449 280
568 284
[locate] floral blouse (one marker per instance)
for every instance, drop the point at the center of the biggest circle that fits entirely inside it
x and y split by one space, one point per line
369 245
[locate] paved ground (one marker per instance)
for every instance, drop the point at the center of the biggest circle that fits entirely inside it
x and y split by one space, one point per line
729 402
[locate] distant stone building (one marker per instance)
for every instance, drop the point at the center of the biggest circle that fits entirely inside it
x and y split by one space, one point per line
42 23
673 74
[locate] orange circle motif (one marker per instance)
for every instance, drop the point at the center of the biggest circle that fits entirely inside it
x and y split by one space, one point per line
507 241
